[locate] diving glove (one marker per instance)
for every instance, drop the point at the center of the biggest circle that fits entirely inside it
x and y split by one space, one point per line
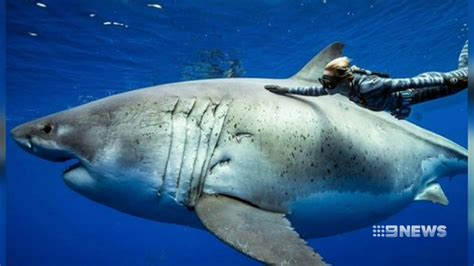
277 89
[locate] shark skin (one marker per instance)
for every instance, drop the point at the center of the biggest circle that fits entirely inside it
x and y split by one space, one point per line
308 166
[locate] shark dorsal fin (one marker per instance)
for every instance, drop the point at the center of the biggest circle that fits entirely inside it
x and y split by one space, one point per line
314 68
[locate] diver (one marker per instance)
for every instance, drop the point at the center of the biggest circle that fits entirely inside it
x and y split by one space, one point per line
379 92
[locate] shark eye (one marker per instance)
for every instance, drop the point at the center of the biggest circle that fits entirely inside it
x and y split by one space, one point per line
47 128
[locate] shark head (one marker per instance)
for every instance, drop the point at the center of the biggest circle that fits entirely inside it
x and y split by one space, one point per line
44 138
104 170
63 137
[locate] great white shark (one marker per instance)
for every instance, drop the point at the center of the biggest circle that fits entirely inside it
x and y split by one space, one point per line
258 170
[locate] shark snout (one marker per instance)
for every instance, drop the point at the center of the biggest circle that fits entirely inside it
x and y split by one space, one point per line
40 139
22 136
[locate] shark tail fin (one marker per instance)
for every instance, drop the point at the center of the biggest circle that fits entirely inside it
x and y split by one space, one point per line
462 60
314 68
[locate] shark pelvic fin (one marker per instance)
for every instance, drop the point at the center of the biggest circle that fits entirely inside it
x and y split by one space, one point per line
433 193
314 68
263 235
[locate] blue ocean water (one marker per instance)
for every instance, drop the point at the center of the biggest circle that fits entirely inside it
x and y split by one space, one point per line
64 53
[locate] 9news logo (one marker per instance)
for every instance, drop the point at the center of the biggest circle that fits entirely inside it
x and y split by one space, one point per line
409 231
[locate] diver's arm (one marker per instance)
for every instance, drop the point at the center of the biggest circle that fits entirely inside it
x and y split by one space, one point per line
309 91
456 78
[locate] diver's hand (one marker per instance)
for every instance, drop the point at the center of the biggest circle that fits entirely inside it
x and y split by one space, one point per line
457 83
277 89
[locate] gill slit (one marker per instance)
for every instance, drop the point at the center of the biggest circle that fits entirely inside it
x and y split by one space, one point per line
163 177
185 143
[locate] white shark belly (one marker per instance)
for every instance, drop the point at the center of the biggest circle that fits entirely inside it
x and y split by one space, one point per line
332 212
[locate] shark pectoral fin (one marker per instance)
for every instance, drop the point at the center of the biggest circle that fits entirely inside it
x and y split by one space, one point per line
263 235
433 193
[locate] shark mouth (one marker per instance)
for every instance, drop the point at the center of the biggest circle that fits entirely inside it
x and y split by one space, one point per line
72 167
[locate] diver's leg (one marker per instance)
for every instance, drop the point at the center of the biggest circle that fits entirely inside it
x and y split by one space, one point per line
452 77
425 87
433 93
456 81
401 101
